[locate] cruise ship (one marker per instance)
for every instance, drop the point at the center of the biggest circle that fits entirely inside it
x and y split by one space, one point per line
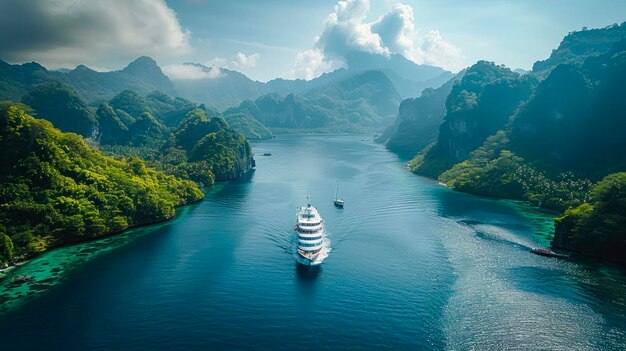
310 230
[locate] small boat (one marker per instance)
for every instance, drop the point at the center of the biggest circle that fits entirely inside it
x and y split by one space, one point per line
547 252
267 154
338 201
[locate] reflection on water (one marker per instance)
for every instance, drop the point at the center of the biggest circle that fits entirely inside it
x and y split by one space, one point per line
307 274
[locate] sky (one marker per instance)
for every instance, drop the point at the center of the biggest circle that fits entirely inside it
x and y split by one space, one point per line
289 38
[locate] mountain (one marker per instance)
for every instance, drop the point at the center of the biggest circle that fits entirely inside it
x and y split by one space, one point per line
579 45
418 121
223 89
55 189
477 107
571 132
174 135
566 136
142 76
362 102
409 78
17 80
60 104
247 125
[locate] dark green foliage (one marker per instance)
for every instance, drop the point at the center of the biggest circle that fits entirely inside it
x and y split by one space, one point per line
570 131
7 249
203 149
134 120
575 120
248 126
478 106
495 171
577 46
418 121
59 104
598 227
54 188
112 130
17 80
431 161
131 125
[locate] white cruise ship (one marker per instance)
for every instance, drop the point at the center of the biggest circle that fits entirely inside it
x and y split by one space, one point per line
310 230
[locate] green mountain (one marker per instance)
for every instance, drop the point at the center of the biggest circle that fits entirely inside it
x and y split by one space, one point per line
133 125
17 80
55 189
210 144
142 76
60 104
579 45
418 121
597 227
247 125
196 147
570 131
363 102
550 148
477 107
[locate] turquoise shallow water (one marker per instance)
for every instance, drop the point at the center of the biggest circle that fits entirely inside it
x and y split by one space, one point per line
413 266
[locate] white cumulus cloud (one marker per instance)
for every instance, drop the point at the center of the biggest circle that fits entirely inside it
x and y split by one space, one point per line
346 30
68 32
191 72
239 62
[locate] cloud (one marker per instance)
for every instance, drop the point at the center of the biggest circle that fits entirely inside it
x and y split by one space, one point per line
346 30
436 51
242 61
396 29
239 61
312 63
191 72
67 32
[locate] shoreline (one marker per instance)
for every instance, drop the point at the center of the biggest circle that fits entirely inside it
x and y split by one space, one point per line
26 259
550 211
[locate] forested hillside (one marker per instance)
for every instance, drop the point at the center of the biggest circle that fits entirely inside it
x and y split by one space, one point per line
545 137
55 189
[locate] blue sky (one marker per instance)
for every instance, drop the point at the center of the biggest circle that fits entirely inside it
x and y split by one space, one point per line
272 38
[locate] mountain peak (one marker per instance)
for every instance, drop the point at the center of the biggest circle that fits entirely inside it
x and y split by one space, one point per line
82 68
146 69
141 63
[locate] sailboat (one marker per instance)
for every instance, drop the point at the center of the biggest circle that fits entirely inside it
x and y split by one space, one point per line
338 200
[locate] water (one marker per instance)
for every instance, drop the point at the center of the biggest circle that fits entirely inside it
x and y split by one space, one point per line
412 265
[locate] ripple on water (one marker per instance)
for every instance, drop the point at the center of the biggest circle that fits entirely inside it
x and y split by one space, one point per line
501 300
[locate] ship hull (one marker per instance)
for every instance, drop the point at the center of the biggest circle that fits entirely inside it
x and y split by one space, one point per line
307 258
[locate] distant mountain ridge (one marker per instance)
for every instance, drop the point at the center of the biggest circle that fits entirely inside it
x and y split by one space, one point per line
224 90
362 102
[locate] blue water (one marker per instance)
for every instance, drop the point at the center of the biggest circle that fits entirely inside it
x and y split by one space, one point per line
413 265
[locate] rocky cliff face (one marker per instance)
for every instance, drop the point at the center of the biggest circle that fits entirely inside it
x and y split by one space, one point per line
480 106
418 121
